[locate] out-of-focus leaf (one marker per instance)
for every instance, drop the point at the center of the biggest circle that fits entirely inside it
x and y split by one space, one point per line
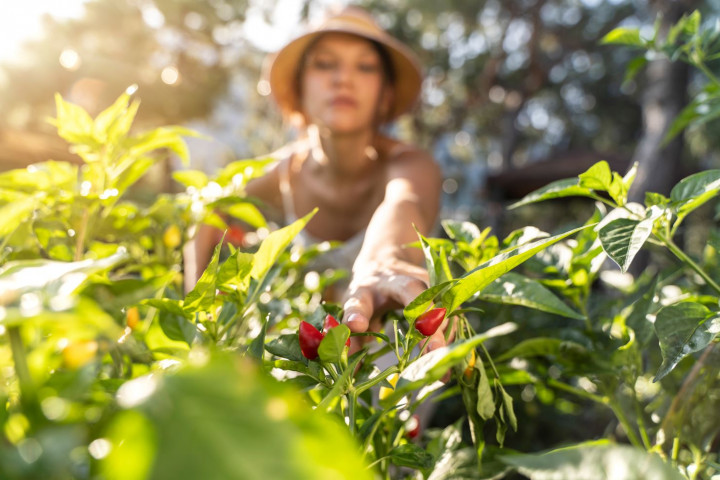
684 328
569 187
191 178
274 244
624 36
598 461
15 213
411 455
286 346
242 423
202 297
248 213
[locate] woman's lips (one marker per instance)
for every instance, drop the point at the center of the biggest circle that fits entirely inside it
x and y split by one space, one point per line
343 102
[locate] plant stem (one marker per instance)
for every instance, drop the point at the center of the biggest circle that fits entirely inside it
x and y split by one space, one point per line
81 233
352 400
641 423
683 257
28 396
632 436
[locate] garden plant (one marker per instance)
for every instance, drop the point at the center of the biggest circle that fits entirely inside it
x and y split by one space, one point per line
109 370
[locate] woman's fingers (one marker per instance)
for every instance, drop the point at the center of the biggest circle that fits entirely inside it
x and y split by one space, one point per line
358 309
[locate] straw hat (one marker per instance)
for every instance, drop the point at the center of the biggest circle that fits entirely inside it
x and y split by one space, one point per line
283 65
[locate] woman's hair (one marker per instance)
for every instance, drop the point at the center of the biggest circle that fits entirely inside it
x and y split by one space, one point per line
388 69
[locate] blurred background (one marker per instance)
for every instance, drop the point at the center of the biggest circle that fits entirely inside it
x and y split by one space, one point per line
517 93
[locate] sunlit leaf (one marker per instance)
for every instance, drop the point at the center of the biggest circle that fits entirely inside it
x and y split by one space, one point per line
695 190
597 177
248 213
479 278
569 187
624 36
202 296
191 178
623 238
274 244
15 213
684 328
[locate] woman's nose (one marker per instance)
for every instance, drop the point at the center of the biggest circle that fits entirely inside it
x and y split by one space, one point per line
342 74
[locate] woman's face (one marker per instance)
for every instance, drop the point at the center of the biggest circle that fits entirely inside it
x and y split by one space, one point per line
342 84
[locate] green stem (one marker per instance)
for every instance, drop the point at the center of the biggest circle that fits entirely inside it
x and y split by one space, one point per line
618 411
683 257
352 401
81 233
28 395
641 424
579 392
361 387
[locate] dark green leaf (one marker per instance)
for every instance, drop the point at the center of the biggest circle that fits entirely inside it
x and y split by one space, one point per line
695 190
286 346
411 455
623 238
177 327
257 346
684 328
516 289
533 347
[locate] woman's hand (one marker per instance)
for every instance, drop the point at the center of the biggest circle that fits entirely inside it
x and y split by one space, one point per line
378 287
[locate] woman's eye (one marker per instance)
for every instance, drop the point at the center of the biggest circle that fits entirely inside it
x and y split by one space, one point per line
322 64
369 67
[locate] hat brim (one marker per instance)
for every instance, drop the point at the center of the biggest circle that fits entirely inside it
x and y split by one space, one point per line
284 65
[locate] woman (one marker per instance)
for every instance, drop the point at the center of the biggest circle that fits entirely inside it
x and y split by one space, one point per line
340 83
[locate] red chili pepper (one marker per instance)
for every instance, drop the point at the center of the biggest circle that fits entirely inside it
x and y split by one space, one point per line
310 338
430 321
412 427
330 322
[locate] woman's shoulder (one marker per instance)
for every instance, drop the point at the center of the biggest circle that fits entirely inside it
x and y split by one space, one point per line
406 155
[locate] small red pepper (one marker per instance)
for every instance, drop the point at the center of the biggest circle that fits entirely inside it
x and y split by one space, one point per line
330 322
310 338
412 427
430 321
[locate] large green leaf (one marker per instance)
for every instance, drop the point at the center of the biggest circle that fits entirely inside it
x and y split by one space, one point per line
684 328
695 190
202 296
229 420
479 278
274 244
432 366
515 289
598 461
569 187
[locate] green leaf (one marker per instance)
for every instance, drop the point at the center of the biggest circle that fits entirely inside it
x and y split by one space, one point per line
485 400
684 328
204 426
596 461
167 305
432 366
624 36
423 301
274 244
191 178
533 347
461 231
507 404
411 455
695 190
479 278
633 68
248 213
202 296
286 346
15 213
177 327
240 172
638 317
597 177
569 187
333 345
623 238
73 122
234 273
257 346
341 384
515 289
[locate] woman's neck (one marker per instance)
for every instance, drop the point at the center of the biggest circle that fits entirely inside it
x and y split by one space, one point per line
342 156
